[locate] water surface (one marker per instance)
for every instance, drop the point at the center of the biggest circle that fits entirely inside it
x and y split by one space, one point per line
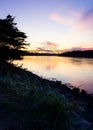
76 71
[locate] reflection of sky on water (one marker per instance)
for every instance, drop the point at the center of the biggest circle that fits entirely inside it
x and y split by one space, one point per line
76 71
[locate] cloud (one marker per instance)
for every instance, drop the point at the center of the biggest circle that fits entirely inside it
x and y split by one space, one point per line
50 45
41 50
47 47
79 48
87 14
86 21
61 19
82 20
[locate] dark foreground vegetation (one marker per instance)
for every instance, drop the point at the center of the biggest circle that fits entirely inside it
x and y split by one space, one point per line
80 54
28 102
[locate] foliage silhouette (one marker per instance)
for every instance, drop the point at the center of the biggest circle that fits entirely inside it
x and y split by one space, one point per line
79 54
12 40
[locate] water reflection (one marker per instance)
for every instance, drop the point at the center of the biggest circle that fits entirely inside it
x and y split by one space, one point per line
76 71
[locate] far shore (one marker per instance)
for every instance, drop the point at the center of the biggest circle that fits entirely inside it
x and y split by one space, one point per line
74 54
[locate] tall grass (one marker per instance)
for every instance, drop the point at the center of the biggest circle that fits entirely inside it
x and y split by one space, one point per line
34 107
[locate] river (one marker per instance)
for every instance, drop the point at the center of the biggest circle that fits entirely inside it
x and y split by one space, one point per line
76 71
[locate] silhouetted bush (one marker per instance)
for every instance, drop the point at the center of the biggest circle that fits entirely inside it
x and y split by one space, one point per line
12 40
75 92
83 93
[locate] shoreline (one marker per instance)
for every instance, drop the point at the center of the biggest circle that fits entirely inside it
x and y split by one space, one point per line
81 99
83 78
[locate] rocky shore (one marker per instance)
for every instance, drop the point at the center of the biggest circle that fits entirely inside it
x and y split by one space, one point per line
29 102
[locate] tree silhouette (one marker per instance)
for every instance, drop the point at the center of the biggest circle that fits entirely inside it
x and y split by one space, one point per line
12 40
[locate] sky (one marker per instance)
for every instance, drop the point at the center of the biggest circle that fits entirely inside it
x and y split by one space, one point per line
53 24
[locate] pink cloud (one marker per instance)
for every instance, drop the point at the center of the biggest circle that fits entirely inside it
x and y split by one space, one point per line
86 21
79 48
82 20
52 44
61 19
87 14
75 14
42 50
90 48
48 47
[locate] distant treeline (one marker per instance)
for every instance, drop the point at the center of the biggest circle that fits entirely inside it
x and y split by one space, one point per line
39 54
80 54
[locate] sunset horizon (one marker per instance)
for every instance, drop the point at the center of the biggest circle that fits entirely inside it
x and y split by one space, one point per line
53 24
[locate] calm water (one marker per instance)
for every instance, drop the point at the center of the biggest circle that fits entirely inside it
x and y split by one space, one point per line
78 72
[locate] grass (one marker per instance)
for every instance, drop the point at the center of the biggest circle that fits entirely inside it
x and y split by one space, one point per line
33 106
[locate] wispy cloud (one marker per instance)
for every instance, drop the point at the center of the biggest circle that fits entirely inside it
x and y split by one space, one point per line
47 47
61 19
52 44
42 50
86 21
87 14
79 48
81 20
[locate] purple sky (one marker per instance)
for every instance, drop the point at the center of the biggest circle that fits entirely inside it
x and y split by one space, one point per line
57 24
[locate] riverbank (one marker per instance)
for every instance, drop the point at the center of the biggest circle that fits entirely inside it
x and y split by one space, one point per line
30 102
78 54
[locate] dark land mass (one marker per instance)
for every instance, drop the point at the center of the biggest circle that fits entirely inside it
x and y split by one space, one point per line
29 102
40 54
79 54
